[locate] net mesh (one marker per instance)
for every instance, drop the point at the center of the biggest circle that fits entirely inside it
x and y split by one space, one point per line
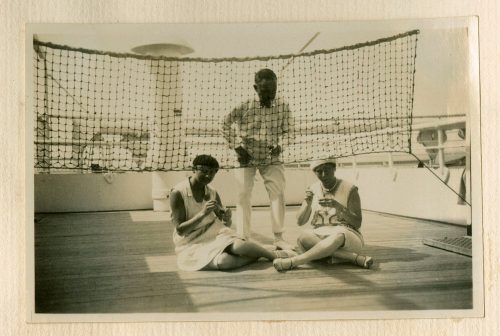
102 111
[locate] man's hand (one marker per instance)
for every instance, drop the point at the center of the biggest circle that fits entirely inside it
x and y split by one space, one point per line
243 156
275 151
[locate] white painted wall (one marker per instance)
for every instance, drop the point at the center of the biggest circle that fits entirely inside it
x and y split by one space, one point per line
91 192
413 192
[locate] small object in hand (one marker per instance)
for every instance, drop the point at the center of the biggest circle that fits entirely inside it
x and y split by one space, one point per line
220 211
309 196
325 202
328 202
224 215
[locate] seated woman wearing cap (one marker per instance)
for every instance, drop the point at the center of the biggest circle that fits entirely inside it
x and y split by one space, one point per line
333 208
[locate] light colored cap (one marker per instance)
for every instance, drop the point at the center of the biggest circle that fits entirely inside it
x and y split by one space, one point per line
318 163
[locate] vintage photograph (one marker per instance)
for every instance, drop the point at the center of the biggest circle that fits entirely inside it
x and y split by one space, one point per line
263 171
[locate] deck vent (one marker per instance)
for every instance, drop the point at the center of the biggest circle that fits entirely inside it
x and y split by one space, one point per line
460 245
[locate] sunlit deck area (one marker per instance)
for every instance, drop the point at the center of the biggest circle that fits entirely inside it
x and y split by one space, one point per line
124 262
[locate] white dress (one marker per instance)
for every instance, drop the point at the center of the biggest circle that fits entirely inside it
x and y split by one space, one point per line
207 240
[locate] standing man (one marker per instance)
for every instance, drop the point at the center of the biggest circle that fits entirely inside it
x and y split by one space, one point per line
256 130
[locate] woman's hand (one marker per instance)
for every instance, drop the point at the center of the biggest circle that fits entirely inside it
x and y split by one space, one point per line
309 196
331 203
226 217
208 207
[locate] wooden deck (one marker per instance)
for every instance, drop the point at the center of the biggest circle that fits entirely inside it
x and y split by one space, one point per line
124 262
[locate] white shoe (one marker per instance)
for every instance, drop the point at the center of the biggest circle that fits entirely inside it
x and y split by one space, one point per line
363 261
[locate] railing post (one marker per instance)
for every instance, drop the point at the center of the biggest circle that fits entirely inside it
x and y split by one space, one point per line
441 161
393 170
354 167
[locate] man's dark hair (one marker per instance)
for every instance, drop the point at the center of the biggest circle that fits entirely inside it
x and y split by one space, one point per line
205 160
265 73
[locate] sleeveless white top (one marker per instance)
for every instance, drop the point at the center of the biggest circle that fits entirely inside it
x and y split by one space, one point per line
207 240
324 219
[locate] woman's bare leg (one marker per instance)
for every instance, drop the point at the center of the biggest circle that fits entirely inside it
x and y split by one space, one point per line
322 249
226 261
250 249
308 240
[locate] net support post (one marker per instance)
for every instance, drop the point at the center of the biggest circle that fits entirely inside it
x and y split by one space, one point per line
167 136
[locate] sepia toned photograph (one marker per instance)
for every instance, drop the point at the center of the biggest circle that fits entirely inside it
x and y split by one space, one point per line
263 171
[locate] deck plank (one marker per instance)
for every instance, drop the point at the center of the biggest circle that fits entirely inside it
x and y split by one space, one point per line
124 262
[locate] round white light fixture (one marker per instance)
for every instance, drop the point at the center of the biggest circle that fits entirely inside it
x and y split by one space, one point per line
163 49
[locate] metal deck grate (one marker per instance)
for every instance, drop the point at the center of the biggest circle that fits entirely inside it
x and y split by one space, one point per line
461 245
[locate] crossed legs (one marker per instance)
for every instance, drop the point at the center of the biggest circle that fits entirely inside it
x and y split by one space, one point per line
308 240
317 248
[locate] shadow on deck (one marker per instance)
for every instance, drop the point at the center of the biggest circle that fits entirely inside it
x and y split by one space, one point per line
124 262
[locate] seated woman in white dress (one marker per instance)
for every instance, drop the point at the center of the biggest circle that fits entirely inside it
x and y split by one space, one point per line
333 209
202 237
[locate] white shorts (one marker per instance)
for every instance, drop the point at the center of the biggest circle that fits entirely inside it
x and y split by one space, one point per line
353 240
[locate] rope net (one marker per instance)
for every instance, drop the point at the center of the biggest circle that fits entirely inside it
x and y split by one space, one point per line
102 111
